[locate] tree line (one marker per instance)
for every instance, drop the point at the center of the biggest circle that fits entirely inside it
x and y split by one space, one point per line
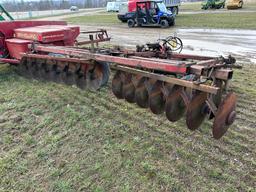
40 5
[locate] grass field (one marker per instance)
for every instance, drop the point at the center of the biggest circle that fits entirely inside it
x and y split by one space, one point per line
59 138
196 6
236 20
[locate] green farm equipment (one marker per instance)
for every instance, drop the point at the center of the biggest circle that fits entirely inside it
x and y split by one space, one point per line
4 15
213 4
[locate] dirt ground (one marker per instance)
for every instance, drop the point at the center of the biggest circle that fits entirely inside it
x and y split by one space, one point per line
196 41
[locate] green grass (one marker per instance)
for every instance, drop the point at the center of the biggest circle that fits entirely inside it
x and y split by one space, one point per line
227 20
102 18
235 20
59 138
196 6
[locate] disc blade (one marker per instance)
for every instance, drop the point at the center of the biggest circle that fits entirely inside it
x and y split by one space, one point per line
141 94
81 80
22 68
195 111
55 74
175 106
225 116
105 69
156 99
29 74
117 85
129 89
94 78
44 72
68 78
34 70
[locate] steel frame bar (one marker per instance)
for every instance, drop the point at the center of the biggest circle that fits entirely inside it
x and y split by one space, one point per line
176 81
201 68
47 57
157 64
92 41
188 56
11 61
95 31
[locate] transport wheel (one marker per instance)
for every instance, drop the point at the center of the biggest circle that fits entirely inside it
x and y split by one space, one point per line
172 23
225 116
141 93
131 23
117 85
129 88
196 111
156 98
164 23
175 106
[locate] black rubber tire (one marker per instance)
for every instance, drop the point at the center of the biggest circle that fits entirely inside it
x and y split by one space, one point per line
131 23
172 23
164 23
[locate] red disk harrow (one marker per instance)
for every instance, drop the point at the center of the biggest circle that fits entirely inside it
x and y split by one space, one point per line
153 76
